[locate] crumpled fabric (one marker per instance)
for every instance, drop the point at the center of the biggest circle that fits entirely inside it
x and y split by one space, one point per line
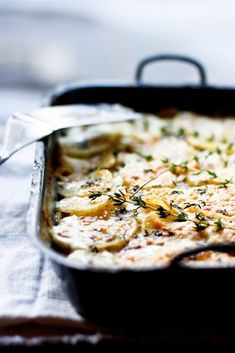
32 288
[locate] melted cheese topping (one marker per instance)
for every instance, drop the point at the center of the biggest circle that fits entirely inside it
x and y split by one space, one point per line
135 194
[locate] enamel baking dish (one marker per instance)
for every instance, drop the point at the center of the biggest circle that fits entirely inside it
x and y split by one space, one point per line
169 296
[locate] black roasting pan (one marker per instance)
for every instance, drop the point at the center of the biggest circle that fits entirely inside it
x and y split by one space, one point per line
172 296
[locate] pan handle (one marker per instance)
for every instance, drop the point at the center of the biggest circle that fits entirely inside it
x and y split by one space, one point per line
219 247
170 57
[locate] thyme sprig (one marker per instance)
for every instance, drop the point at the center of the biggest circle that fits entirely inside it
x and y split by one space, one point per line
179 168
120 198
149 181
183 167
201 222
224 181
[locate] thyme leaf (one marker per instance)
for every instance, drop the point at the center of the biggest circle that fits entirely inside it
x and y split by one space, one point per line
94 194
147 157
219 225
212 174
201 191
199 205
225 182
182 217
118 198
181 132
195 134
188 204
163 213
138 201
165 131
200 226
165 160
173 168
201 222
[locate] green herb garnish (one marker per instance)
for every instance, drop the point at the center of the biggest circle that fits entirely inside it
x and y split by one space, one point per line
182 217
95 194
118 198
195 134
165 160
188 204
200 226
138 201
181 132
163 213
201 222
165 131
147 157
201 191
225 182
219 225
173 168
212 174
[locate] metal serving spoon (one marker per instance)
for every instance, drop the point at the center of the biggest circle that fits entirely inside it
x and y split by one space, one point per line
23 129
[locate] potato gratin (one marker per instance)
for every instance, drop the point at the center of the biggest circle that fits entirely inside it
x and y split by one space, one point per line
135 194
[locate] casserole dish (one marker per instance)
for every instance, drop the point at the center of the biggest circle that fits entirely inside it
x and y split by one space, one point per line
169 296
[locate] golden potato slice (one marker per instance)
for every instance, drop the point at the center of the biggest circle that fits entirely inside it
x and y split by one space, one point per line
100 180
94 233
107 160
84 206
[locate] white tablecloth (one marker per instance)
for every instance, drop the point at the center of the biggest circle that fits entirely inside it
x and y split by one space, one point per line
31 287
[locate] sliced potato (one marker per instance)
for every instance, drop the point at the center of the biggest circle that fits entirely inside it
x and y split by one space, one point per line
72 232
153 221
100 180
114 245
107 160
119 234
94 233
155 201
84 206
91 147
201 145
77 168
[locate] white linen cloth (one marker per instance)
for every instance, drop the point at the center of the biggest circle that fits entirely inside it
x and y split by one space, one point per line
31 287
